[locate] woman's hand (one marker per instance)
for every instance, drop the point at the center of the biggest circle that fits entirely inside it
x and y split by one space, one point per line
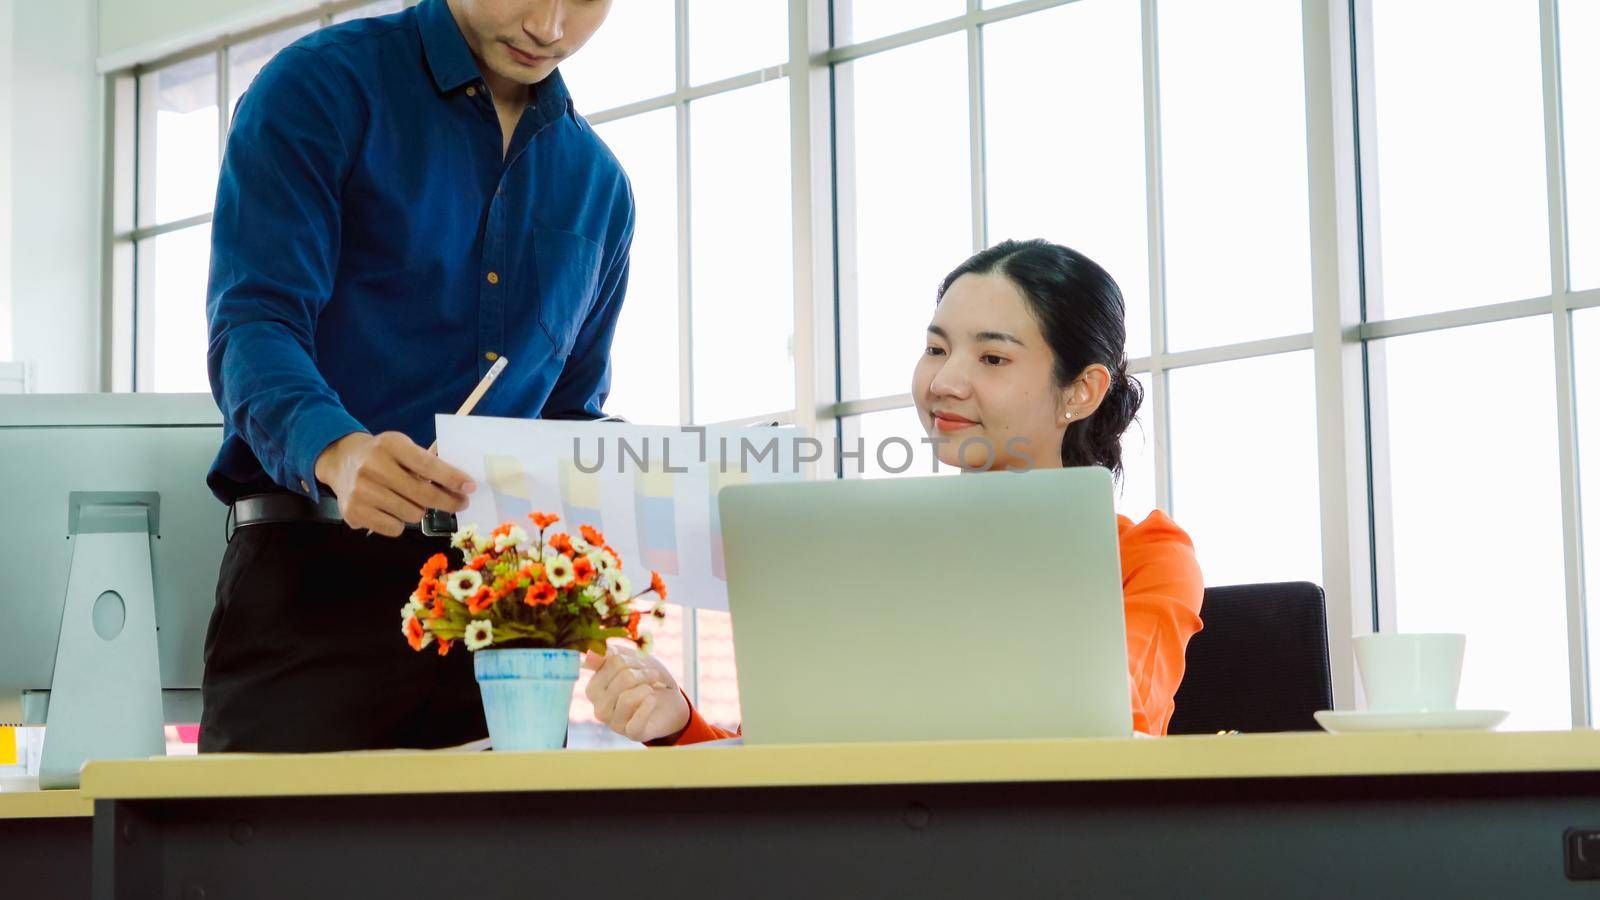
635 694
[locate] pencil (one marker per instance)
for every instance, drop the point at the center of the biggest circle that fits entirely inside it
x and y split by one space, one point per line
477 393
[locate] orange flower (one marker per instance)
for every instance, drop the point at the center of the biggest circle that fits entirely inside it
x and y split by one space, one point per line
561 542
444 646
543 593
501 531
438 608
615 555
592 536
530 572
582 571
633 626
478 562
435 566
482 600
427 591
415 635
657 585
542 521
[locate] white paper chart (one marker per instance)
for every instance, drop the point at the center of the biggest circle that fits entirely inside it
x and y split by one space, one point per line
651 489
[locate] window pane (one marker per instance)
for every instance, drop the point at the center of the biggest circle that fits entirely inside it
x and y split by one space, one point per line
732 37
178 165
1244 468
1586 341
1580 98
1474 489
1136 495
644 353
913 201
889 441
582 728
630 58
366 10
1040 144
719 675
742 253
857 21
1233 150
174 266
1460 154
246 60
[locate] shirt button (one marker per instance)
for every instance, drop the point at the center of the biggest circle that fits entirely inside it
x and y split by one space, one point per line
472 91
305 487
491 356
493 278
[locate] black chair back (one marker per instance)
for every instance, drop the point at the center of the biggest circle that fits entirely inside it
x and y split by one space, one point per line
1260 663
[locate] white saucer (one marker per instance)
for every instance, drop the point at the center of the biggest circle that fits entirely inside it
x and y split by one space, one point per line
1343 720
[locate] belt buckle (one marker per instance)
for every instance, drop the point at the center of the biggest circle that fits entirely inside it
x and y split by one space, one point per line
437 523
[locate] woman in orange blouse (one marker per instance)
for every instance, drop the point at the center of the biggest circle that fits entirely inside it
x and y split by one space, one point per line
1024 368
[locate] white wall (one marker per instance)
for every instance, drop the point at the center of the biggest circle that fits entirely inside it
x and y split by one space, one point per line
7 49
134 31
55 149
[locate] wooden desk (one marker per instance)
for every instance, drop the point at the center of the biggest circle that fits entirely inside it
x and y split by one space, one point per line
1305 815
45 844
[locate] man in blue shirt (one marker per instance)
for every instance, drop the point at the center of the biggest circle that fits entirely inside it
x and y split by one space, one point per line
402 201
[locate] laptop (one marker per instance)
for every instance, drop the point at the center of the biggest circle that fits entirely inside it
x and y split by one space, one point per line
983 606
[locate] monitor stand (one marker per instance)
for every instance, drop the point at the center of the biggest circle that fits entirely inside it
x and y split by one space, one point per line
105 694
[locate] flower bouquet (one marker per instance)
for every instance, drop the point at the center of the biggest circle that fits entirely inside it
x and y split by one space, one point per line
528 607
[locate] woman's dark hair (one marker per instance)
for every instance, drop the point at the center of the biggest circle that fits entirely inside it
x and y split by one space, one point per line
1079 309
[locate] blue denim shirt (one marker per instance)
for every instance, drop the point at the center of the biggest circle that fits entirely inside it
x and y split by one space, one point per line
372 252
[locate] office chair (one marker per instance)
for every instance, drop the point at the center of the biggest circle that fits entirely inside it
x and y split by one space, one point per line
1260 663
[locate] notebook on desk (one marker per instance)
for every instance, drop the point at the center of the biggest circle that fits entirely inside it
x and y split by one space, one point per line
978 607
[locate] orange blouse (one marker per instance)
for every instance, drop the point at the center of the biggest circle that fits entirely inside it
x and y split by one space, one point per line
1161 590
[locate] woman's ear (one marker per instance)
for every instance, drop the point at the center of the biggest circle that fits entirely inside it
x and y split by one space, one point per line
1082 397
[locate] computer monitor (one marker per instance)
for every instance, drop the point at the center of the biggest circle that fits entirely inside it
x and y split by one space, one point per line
110 543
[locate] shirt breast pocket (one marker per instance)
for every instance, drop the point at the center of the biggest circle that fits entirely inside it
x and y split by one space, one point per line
568 271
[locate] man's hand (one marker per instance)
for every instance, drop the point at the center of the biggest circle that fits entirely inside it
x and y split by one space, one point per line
383 482
635 694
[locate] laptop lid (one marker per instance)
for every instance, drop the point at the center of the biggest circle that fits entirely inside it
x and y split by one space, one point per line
984 606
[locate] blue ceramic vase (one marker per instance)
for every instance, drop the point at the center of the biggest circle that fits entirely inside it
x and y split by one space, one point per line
526 695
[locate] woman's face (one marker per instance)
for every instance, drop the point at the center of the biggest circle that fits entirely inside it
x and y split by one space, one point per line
985 387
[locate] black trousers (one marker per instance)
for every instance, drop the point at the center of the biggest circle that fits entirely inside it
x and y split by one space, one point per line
304 652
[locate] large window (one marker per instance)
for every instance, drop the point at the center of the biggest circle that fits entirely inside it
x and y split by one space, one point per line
1470 290
1361 290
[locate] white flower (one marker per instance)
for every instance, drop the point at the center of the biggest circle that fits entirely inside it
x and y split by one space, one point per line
413 607
480 634
481 544
647 642
464 584
601 607
621 588
558 570
580 546
515 537
604 562
465 539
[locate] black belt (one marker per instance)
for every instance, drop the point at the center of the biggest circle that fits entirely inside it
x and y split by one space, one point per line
265 509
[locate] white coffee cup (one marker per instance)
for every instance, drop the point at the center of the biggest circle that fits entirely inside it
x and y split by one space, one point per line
1410 672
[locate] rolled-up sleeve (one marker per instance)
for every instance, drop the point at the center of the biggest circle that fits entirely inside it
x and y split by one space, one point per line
274 254
1162 590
